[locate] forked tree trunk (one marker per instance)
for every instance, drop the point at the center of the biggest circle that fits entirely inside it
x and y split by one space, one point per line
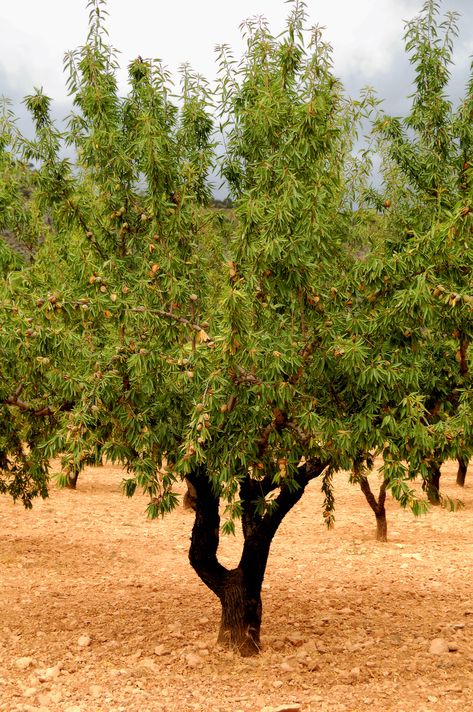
239 589
462 470
378 507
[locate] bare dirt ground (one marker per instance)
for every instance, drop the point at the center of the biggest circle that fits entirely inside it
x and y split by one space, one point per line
100 609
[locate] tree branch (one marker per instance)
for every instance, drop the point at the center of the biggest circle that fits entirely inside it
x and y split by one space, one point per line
240 376
205 532
290 495
25 407
174 317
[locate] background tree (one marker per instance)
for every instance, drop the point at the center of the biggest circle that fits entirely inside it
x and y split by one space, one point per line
421 269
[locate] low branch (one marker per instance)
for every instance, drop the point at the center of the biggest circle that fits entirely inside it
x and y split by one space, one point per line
290 495
27 407
264 439
278 424
370 498
463 359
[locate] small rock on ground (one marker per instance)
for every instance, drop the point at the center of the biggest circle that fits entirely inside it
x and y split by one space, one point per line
23 663
84 641
438 646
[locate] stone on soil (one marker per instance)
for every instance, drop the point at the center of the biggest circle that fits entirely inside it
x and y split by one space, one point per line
438 646
289 665
30 692
84 641
161 649
23 663
49 674
193 660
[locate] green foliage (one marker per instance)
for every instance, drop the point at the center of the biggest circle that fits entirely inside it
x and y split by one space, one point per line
415 282
159 333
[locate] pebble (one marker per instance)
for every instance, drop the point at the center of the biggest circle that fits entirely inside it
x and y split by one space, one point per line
193 660
55 696
438 646
84 641
23 663
30 692
290 707
96 690
50 673
44 699
289 666
161 649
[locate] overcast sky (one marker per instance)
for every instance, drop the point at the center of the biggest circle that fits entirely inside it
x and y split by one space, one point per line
366 36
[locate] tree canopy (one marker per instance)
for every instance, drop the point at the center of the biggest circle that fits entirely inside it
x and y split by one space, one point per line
319 322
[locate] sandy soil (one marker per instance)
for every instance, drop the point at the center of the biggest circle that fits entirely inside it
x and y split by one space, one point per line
100 609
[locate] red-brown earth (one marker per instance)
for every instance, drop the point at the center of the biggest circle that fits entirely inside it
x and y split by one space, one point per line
100 609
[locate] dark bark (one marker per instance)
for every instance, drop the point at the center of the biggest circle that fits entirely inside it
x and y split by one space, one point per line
206 533
432 486
462 470
239 590
381 526
377 505
72 478
242 610
463 355
190 497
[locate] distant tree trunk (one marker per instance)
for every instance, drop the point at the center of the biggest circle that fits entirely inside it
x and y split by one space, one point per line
72 478
239 589
462 470
464 368
432 486
378 506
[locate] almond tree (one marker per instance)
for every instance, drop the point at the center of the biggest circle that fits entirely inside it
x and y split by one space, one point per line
419 275
157 339
246 356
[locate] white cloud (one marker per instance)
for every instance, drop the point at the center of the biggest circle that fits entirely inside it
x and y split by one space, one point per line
366 34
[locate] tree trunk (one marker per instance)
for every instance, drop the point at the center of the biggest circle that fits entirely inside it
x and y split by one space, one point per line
381 526
241 615
433 485
72 478
378 506
239 589
462 470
